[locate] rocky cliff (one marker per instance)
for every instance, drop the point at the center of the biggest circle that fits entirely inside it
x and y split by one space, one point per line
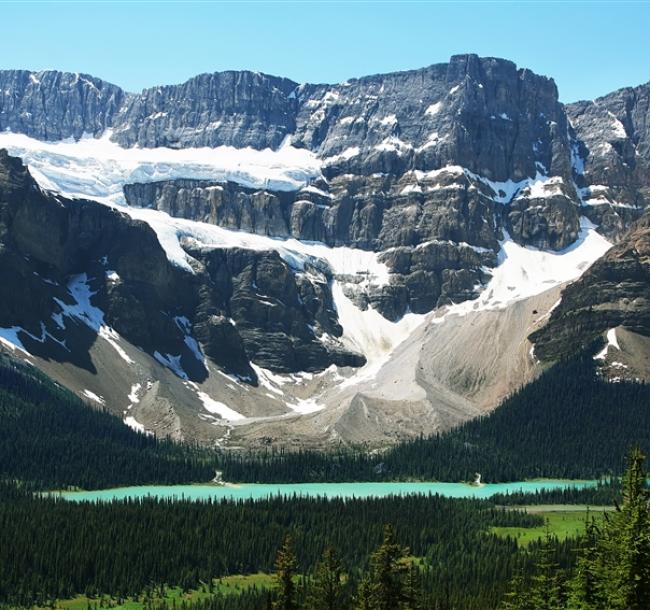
52 105
270 245
83 261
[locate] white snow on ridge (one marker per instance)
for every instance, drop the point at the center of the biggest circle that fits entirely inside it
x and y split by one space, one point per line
133 394
173 363
612 341
134 424
389 120
617 127
524 271
297 254
86 313
505 191
94 397
433 109
9 338
97 168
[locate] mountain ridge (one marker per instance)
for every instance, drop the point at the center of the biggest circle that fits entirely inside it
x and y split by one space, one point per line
324 245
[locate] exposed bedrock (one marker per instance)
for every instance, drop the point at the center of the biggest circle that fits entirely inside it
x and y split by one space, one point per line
614 291
61 260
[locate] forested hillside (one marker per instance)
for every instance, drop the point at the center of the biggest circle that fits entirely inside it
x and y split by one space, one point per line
51 439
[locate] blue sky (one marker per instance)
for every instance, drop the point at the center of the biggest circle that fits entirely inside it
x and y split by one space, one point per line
590 48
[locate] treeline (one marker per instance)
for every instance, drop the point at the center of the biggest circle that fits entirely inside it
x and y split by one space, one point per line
568 423
605 493
51 439
50 548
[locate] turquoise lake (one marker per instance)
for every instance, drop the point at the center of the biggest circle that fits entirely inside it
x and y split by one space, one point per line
330 490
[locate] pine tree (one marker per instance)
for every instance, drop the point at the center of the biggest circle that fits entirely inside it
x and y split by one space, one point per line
389 568
413 588
626 545
546 590
327 588
285 570
584 586
518 597
363 599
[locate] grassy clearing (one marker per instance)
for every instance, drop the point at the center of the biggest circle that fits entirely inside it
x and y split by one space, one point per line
227 585
563 521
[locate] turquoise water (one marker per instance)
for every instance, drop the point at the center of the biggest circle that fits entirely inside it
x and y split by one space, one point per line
330 490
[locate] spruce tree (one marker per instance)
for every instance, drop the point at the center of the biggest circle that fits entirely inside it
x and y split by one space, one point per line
388 570
546 590
413 588
585 586
625 555
285 570
327 587
364 598
518 597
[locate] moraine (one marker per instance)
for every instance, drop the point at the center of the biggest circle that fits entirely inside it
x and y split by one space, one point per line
331 490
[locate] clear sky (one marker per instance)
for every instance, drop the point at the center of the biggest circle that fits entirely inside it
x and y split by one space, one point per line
590 48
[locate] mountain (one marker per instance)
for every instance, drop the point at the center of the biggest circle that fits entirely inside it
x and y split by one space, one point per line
245 260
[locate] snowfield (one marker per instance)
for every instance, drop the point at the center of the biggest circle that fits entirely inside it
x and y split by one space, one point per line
524 271
97 168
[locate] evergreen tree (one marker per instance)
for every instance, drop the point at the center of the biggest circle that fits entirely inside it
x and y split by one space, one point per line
413 588
518 597
584 587
364 597
285 570
327 587
624 556
388 571
546 590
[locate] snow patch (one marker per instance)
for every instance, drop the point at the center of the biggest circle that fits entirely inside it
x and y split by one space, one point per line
134 424
9 338
524 271
305 406
389 120
433 109
85 312
173 363
369 333
612 341
219 408
94 397
133 394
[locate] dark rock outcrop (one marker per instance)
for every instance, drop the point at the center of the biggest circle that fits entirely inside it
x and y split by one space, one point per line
613 156
453 153
614 291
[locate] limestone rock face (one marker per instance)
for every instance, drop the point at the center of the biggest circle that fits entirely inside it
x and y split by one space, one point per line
52 105
613 148
223 109
429 168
